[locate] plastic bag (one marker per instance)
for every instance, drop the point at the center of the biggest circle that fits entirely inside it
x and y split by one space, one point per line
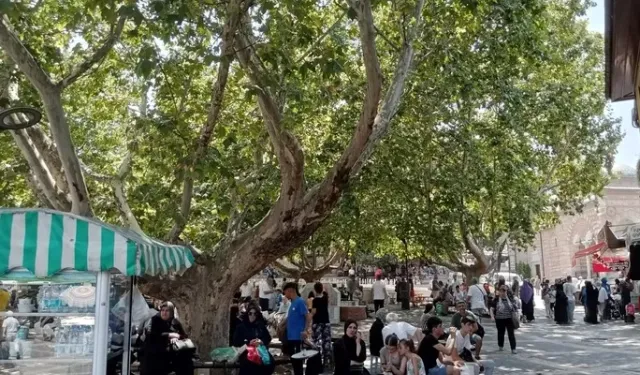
225 354
265 356
140 311
253 355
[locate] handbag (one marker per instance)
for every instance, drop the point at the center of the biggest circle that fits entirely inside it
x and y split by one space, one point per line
183 346
253 355
515 317
265 356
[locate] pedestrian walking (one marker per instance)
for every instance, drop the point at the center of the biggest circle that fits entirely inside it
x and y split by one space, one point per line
477 298
379 293
561 307
546 297
570 290
321 324
526 297
502 311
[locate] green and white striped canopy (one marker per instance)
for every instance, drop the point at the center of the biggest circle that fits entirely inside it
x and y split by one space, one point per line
46 242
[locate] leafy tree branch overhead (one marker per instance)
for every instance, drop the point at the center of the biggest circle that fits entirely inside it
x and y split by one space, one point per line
236 125
503 150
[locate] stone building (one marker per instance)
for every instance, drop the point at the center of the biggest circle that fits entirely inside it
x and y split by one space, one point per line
551 254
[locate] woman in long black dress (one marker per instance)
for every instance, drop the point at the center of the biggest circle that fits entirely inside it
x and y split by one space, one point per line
252 330
157 358
560 310
350 351
590 302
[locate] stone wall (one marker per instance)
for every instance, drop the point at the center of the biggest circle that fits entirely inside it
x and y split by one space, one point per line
553 250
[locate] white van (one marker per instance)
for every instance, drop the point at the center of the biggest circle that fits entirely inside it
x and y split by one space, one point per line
508 277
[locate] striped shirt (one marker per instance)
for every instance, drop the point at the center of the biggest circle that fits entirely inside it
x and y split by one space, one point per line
503 308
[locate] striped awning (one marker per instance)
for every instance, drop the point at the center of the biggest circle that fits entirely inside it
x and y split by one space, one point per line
46 242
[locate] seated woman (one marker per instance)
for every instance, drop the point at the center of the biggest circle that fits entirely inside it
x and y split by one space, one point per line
157 358
350 351
390 358
252 330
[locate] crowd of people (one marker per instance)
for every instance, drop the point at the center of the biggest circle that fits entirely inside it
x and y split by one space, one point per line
601 300
400 348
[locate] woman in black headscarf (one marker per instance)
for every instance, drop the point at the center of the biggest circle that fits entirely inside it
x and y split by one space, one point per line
590 302
350 351
252 330
560 310
158 358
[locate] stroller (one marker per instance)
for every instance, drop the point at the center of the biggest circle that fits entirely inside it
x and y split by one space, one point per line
614 307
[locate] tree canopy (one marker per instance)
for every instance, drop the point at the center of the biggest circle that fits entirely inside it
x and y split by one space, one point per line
521 135
238 125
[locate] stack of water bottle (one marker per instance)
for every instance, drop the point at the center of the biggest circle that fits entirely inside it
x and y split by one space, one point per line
75 341
49 301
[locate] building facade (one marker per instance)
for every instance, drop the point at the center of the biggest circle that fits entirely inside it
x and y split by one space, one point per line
551 254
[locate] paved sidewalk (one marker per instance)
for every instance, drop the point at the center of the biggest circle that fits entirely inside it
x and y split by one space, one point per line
547 348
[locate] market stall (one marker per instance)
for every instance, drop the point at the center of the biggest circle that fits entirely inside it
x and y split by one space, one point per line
67 287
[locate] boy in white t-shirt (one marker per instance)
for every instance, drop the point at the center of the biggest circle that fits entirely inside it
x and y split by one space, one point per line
463 343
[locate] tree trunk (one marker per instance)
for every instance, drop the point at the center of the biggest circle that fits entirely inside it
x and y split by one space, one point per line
203 303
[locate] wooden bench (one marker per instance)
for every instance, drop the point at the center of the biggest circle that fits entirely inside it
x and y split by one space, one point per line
228 367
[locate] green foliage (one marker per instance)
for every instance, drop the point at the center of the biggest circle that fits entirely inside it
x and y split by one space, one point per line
504 129
524 270
502 126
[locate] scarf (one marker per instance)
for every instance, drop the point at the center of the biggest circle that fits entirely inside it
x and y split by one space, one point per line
526 292
606 286
350 347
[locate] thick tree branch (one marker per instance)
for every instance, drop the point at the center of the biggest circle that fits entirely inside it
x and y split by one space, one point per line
19 54
47 150
235 12
285 145
117 183
290 271
393 96
52 99
46 185
98 55
40 154
372 124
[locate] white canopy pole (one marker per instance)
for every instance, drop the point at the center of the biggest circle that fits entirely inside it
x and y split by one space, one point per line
101 328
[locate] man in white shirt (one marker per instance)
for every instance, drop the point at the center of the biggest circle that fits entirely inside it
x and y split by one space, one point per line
246 290
476 297
603 296
379 293
402 330
265 290
462 342
570 291
10 327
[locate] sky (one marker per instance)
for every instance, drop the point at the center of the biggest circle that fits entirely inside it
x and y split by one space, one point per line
629 148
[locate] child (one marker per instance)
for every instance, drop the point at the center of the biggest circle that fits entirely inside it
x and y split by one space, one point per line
630 317
412 361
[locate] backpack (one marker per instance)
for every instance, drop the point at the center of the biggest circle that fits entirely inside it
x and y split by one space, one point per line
631 309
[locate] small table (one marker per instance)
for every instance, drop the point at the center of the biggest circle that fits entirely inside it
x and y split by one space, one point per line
356 313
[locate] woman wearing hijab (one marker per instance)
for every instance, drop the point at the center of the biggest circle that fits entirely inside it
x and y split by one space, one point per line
560 311
526 296
158 358
252 330
350 351
590 302
376 341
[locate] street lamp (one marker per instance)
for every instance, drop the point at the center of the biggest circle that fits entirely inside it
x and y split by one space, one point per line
17 118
